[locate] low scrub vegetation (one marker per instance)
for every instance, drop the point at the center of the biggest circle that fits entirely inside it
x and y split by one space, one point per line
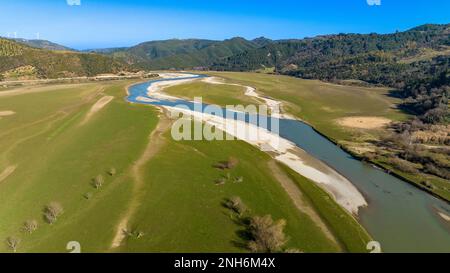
30 226
52 212
13 243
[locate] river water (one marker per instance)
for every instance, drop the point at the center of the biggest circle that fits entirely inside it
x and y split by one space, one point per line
399 216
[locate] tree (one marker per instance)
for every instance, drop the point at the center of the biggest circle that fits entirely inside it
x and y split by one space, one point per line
267 236
98 182
30 226
13 243
52 211
235 203
232 163
112 171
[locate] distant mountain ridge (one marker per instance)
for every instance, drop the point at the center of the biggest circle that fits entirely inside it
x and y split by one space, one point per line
19 61
43 44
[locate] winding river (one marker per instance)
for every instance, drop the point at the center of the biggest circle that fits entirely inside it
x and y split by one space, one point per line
400 216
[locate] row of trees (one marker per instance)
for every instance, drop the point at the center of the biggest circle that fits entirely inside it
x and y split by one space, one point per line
51 213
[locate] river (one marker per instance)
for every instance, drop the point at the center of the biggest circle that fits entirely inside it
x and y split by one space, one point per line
400 216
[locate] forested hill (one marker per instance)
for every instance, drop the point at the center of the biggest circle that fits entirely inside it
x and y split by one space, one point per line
19 61
44 44
348 56
181 54
416 62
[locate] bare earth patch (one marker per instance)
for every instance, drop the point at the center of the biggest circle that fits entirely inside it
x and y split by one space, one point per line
6 113
7 172
155 143
97 107
364 122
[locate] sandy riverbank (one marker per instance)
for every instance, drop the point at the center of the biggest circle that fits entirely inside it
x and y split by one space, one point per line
342 190
288 153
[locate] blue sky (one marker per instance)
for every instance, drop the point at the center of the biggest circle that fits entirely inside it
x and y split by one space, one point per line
111 23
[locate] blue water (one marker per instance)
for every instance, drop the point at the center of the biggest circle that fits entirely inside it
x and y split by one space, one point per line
400 216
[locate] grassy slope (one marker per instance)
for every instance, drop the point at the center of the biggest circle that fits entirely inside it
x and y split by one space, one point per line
182 210
59 160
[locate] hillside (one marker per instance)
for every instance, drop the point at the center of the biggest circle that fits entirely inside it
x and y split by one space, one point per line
43 44
348 56
18 61
180 54
416 62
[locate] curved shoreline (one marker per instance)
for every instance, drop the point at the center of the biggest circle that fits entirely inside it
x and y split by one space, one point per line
282 150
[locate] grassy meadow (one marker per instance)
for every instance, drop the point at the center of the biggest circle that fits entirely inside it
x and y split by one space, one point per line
183 210
179 206
322 104
57 158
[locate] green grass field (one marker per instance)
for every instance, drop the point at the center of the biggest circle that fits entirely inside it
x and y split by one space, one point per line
179 206
182 210
56 160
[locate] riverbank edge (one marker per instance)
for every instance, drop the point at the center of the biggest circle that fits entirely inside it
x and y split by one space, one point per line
383 167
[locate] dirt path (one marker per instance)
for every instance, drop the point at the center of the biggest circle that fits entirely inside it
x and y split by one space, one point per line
156 141
6 113
7 172
38 89
299 200
99 105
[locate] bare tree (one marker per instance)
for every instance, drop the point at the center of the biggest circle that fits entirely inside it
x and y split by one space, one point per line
267 236
98 182
232 162
235 203
52 211
30 226
13 243
112 172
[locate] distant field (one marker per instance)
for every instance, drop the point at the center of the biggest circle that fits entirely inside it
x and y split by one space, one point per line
322 104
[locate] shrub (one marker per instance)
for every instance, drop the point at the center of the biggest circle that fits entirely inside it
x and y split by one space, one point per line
98 182
30 226
236 204
220 181
232 163
239 179
267 236
88 195
13 243
112 172
52 211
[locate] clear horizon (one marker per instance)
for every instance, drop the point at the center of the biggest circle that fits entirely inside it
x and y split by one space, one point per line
105 24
